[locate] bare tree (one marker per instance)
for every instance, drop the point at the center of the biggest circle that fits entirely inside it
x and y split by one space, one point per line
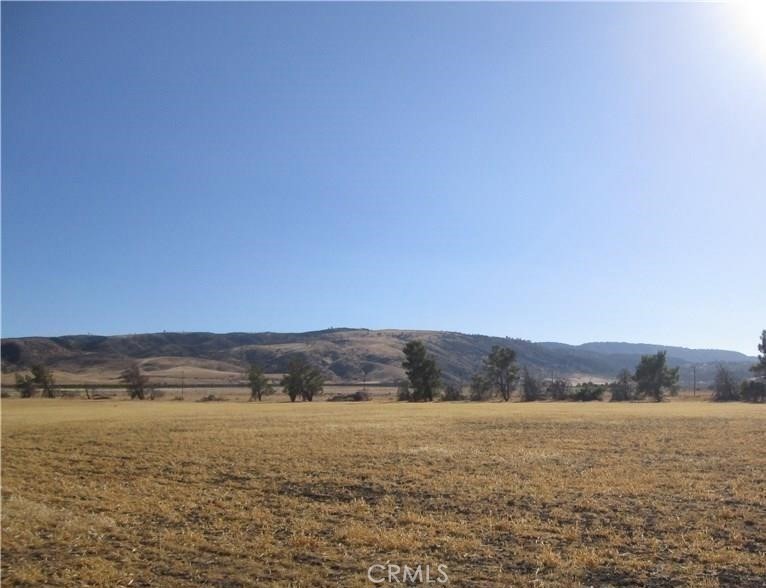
558 389
531 389
725 387
135 381
43 378
25 385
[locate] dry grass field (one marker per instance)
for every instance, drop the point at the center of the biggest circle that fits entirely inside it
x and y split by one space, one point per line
119 493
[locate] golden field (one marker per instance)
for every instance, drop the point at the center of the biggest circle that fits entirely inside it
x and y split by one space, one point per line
120 493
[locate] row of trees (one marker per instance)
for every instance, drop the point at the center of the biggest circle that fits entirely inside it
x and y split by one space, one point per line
499 376
302 380
41 380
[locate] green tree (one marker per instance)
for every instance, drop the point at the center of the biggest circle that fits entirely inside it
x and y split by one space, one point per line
759 369
588 392
623 388
135 381
654 378
259 383
725 387
302 380
43 378
26 385
501 370
422 371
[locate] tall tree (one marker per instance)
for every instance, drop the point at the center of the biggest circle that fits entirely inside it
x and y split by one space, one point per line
422 371
135 381
259 383
43 378
759 369
302 380
654 378
502 371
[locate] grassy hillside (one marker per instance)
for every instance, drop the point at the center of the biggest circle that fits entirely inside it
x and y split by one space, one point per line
346 355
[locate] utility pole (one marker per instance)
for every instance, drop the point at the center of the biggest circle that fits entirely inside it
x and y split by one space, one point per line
182 384
694 375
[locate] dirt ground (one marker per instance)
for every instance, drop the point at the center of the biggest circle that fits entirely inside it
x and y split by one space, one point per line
163 493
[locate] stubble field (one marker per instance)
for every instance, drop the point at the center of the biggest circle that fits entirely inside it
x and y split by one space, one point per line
119 493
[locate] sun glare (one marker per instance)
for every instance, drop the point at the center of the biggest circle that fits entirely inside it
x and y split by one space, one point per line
750 26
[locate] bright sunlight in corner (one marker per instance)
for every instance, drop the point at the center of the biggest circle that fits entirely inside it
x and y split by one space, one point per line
750 21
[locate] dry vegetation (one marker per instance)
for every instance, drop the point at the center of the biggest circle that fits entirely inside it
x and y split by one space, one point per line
118 493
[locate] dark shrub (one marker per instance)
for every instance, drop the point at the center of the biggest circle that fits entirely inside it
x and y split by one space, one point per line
753 391
358 396
452 393
588 392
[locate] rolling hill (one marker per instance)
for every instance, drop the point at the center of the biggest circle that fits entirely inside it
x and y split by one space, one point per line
346 355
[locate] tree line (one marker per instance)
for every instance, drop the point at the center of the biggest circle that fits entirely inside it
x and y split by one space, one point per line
500 376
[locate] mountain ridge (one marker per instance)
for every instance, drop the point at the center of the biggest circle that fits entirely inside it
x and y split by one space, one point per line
344 354
690 354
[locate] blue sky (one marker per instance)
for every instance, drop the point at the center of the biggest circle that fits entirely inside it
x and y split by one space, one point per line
552 171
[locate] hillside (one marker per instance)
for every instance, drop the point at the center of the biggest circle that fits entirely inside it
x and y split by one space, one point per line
346 355
679 353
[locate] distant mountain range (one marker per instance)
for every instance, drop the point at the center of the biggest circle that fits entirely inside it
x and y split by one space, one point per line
679 353
346 355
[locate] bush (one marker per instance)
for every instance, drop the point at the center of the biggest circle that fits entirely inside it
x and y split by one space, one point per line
211 398
358 396
26 385
623 388
558 389
154 393
67 393
588 392
452 393
725 388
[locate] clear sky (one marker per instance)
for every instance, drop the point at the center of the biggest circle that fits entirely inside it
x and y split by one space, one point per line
551 171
